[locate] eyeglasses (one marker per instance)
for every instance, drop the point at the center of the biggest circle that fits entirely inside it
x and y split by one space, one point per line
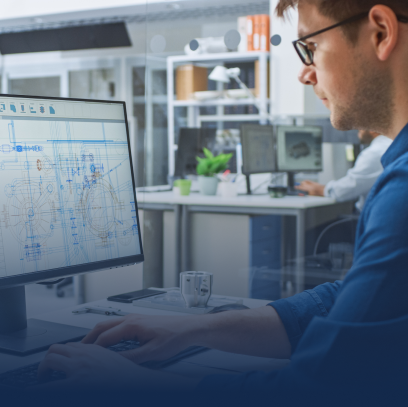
306 50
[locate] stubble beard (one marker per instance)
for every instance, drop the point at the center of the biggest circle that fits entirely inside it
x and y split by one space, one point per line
372 105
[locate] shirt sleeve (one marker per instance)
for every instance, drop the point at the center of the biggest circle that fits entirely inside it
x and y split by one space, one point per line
359 179
296 312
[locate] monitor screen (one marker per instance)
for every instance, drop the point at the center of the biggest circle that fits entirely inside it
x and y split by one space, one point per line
66 189
190 145
299 148
258 149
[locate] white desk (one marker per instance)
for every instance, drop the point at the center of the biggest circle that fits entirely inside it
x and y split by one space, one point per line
243 204
198 366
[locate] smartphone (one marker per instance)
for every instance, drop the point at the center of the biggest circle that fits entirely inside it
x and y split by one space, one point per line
134 295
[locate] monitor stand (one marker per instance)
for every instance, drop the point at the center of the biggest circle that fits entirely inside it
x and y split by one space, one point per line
20 336
291 186
248 184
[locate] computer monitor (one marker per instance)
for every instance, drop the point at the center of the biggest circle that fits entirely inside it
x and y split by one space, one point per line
258 150
190 145
68 204
299 149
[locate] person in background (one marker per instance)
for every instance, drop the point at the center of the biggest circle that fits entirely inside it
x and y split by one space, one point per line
360 179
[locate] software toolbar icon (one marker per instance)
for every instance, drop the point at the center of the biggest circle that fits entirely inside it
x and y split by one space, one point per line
42 109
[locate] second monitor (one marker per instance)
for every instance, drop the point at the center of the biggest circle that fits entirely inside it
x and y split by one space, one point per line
299 149
289 149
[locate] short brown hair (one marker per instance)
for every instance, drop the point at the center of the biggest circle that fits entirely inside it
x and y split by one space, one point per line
340 10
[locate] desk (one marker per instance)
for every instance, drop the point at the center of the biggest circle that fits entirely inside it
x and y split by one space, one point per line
195 366
243 204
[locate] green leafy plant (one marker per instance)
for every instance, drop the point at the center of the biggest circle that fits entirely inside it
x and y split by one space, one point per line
210 165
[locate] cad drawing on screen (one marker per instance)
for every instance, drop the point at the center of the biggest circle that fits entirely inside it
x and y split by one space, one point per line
66 194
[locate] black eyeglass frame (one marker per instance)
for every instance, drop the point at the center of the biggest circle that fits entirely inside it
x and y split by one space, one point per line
400 18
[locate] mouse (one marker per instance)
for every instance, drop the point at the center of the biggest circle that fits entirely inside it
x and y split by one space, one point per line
228 307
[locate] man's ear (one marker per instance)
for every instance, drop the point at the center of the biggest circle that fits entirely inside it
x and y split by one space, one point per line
384 26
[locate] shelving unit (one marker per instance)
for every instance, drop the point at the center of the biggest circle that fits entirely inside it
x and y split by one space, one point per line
194 119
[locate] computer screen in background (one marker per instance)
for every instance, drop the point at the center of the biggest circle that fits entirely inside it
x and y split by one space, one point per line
258 150
67 197
190 145
299 149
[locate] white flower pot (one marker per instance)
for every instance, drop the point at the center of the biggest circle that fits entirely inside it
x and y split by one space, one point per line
208 185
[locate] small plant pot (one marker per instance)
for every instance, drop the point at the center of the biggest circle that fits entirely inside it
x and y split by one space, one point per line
208 185
185 186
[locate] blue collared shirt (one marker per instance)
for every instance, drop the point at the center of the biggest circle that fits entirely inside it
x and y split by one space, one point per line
365 316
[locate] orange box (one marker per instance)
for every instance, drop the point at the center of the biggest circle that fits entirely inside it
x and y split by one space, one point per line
190 79
250 32
264 33
257 33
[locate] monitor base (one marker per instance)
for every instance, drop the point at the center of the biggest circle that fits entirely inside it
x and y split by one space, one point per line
39 336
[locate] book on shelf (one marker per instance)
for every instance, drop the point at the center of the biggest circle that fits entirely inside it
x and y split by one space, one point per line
242 29
250 33
264 36
255 33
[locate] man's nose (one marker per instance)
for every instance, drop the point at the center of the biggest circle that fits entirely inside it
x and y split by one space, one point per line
307 75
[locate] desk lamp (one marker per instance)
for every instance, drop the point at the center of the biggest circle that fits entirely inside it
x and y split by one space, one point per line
222 74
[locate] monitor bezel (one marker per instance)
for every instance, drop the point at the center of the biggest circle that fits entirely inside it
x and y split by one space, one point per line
39 276
279 169
274 163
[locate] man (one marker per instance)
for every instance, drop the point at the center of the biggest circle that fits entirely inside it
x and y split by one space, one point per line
347 340
361 178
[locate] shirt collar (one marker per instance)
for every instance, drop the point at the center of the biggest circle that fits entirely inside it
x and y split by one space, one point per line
397 149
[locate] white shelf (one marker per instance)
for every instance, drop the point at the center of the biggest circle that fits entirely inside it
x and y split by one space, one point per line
222 56
217 102
194 119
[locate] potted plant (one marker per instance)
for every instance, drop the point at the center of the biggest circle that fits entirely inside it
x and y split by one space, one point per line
207 170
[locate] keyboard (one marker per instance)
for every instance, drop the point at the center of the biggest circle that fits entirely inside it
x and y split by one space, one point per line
26 376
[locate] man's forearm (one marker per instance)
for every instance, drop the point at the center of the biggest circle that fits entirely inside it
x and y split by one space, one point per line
255 332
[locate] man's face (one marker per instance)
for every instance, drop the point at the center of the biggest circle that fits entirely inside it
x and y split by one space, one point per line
346 77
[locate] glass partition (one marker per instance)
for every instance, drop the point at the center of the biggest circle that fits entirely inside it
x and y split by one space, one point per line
209 71
92 84
38 86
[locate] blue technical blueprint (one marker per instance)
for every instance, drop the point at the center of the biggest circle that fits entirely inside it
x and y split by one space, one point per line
66 194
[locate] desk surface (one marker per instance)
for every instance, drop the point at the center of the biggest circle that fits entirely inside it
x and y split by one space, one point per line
198 366
255 201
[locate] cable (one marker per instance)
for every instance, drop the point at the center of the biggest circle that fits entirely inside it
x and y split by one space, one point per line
325 230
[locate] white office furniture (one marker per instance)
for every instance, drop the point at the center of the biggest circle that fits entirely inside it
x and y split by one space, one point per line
308 212
193 106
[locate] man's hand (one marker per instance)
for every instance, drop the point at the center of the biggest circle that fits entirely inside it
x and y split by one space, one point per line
91 366
256 332
87 365
313 188
160 337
